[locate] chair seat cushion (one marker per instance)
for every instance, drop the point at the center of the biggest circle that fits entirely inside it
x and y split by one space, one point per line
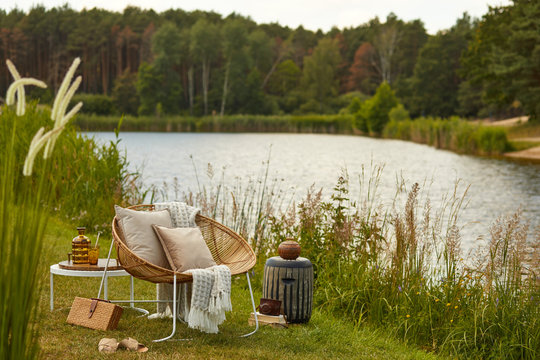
184 248
139 235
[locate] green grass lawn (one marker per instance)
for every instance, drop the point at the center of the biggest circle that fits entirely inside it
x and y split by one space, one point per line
324 337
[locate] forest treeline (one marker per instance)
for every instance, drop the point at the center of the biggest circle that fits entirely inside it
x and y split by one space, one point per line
141 62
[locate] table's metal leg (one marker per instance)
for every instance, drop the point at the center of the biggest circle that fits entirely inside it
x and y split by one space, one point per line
52 292
106 288
131 295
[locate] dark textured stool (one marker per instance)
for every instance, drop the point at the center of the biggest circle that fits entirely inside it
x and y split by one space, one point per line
290 281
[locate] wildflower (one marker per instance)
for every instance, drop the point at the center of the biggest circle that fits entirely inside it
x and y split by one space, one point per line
436 300
18 85
399 288
455 307
418 293
61 102
408 316
451 320
58 114
448 304
37 143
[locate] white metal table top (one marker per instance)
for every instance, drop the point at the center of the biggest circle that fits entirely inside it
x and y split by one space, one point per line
55 269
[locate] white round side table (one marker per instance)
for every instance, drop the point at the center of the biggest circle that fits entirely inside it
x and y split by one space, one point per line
57 270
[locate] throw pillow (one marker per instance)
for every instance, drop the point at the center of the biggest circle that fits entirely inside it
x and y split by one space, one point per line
140 238
185 248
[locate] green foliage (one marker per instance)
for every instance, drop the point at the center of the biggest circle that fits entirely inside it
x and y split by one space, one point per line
261 50
168 45
204 47
205 40
320 68
436 80
326 124
148 88
23 216
124 94
470 99
452 134
399 113
89 178
285 78
256 102
81 181
235 42
325 336
94 104
502 57
495 77
354 106
373 114
376 266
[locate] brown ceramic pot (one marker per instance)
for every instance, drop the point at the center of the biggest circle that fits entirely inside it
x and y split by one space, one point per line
289 250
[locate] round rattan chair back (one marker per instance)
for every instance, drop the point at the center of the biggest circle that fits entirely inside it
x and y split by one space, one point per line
227 248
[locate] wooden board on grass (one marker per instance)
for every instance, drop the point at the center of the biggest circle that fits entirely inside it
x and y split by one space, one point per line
274 321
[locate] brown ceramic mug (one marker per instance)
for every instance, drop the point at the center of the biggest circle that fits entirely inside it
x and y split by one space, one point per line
270 307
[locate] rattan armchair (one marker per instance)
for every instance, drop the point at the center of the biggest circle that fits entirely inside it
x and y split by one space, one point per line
227 248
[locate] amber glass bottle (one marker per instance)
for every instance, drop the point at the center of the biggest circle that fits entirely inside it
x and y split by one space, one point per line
79 247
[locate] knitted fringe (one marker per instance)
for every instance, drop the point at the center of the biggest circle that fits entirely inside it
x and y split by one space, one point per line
200 319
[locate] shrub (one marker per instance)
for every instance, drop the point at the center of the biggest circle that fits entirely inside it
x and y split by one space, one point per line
402 269
95 104
451 134
330 124
124 93
398 113
373 114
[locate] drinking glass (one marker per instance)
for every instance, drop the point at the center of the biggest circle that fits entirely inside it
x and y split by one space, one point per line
93 255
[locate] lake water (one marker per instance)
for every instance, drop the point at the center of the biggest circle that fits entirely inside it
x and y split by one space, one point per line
497 186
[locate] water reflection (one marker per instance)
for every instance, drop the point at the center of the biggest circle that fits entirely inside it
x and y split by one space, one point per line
496 186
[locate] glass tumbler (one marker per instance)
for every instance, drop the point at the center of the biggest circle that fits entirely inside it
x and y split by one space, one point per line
93 255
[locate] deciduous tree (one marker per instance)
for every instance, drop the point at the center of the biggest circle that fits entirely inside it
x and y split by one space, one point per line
319 76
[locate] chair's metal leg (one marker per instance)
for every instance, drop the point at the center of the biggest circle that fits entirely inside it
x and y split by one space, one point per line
254 309
174 314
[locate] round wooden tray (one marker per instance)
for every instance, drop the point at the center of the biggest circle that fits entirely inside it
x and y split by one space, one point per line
113 265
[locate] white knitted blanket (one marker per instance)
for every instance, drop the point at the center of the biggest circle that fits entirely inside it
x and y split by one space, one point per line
203 303
182 215
210 298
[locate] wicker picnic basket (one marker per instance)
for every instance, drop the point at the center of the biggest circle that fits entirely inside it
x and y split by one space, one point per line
95 314
227 248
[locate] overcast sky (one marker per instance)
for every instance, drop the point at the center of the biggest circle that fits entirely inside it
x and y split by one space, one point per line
312 14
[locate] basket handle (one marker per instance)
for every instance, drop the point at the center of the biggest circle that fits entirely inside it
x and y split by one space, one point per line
105 271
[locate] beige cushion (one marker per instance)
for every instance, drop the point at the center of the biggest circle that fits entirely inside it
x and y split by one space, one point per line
140 238
185 248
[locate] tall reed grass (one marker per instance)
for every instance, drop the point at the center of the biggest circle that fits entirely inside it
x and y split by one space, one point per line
90 178
81 180
243 204
22 223
451 134
401 267
331 124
